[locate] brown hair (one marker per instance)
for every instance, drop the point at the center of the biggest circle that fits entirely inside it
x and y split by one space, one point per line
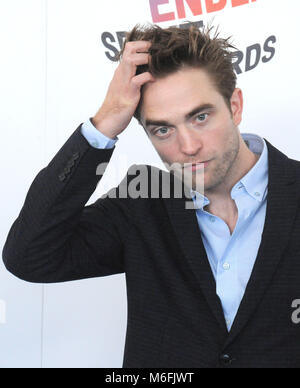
175 47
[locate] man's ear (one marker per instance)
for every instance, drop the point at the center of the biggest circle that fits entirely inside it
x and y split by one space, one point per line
237 104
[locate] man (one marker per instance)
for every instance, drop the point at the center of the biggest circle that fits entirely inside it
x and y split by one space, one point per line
210 287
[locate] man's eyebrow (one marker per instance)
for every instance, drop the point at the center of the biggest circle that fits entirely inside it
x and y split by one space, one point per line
198 109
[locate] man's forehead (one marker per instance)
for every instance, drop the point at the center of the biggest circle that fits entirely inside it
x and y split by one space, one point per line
177 94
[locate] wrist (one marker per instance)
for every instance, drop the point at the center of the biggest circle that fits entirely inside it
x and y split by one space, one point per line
100 125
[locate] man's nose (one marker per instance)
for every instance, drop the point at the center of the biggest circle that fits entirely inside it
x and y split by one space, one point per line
189 142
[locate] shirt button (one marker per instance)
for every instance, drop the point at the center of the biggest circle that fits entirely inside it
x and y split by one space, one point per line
257 194
225 360
226 266
212 219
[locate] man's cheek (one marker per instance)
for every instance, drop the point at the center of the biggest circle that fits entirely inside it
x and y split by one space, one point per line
165 153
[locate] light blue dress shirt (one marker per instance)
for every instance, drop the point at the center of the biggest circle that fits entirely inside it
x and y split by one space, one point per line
95 137
231 257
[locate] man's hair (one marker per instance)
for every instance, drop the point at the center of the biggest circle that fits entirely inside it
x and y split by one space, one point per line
174 48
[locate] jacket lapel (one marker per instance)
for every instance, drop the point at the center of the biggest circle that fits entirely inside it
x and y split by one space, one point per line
282 202
281 210
185 225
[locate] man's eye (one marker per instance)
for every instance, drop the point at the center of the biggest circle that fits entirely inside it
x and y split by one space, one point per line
162 130
202 117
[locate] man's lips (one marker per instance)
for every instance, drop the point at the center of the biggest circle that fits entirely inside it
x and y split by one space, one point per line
196 166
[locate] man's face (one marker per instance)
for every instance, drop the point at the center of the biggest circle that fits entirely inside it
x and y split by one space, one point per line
188 121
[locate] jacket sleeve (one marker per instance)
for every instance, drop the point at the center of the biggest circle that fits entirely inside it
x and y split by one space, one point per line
57 238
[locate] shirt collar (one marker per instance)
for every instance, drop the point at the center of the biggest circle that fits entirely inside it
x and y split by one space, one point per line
255 181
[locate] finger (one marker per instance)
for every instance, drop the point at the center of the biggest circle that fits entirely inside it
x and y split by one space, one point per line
137 46
141 79
138 59
129 63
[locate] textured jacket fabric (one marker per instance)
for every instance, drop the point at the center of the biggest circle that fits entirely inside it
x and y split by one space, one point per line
175 318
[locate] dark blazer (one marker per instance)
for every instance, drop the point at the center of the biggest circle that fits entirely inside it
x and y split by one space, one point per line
175 318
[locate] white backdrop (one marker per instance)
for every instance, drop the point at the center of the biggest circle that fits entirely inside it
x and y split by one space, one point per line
55 70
